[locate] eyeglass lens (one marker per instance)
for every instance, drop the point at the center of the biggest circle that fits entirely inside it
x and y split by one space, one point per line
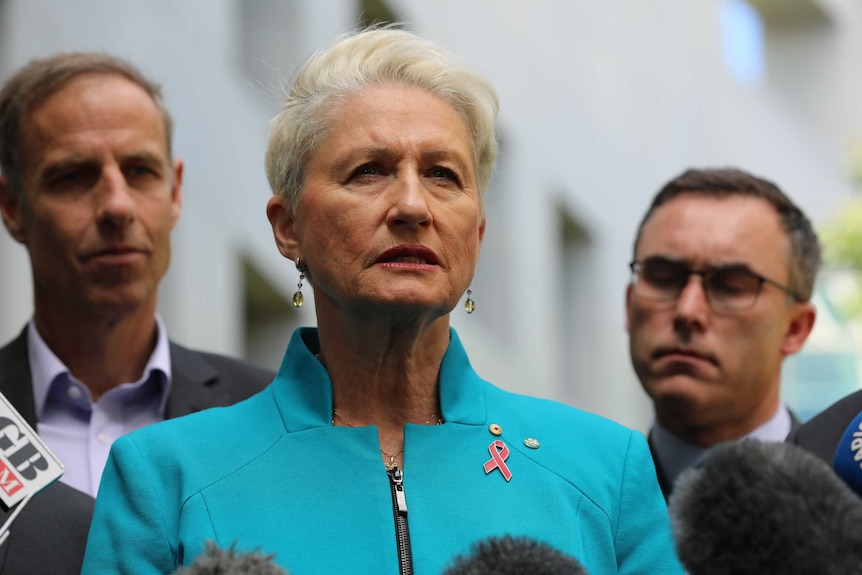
663 280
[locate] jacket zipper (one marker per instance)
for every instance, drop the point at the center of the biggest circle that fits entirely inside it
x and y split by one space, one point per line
399 510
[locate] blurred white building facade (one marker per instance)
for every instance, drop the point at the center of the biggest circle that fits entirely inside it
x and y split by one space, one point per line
601 103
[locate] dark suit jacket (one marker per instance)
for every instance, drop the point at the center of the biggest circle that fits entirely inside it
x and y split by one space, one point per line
822 433
50 533
665 482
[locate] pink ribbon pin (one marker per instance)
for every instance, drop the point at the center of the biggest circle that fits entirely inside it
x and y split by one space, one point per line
499 453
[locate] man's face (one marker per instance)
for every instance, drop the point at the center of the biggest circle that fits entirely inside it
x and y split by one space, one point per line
714 374
101 197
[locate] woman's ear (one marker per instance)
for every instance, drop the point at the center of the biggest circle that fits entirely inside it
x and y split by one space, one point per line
283 226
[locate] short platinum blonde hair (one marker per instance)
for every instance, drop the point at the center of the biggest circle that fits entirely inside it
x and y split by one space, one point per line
374 57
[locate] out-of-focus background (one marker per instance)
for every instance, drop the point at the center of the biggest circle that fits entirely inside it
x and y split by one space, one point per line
602 102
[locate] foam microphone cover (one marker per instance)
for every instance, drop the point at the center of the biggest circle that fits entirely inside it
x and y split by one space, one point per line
752 507
216 561
514 556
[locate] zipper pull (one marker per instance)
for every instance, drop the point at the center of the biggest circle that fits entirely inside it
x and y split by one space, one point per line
397 478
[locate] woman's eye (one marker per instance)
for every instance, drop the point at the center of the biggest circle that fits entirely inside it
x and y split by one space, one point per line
367 170
444 173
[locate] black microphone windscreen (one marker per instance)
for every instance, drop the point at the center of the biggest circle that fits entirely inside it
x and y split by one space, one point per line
216 561
514 556
752 507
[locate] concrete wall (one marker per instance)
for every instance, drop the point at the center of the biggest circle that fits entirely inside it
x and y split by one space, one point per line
601 103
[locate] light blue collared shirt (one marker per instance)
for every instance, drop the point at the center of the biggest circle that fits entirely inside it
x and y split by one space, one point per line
676 455
81 432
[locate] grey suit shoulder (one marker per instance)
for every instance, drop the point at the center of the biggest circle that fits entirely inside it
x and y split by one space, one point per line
201 380
50 534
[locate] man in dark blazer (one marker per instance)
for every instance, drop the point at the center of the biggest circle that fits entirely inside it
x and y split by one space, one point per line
722 276
50 533
200 380
89 186
822 433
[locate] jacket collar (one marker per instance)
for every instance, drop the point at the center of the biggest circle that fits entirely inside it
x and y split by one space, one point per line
191 377
303 390
16 383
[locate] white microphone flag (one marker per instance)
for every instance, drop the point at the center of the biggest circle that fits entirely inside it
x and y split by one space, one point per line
26 463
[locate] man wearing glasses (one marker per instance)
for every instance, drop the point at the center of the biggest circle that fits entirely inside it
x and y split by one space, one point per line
723 271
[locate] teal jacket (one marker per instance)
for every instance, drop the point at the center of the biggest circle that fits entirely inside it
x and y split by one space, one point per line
273 474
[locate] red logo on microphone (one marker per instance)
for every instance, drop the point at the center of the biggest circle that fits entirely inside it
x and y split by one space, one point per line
9 482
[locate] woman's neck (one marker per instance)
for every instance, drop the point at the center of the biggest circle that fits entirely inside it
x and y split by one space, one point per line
384 376
384 372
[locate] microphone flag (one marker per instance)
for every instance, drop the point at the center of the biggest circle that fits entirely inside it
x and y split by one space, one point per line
848 456
26 464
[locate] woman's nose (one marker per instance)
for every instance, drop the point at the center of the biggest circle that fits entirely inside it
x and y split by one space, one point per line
409 201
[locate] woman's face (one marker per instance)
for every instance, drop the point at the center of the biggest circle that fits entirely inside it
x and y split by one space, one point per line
389 215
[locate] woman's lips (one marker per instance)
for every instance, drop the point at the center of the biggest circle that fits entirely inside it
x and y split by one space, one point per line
409 255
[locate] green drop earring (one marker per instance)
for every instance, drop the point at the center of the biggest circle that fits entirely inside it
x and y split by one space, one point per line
469 304
297 297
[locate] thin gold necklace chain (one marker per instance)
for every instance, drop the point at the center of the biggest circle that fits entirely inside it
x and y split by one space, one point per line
341 418
336 415
391 463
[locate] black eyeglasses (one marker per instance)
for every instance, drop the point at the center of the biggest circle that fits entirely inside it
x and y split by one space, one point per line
733 288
